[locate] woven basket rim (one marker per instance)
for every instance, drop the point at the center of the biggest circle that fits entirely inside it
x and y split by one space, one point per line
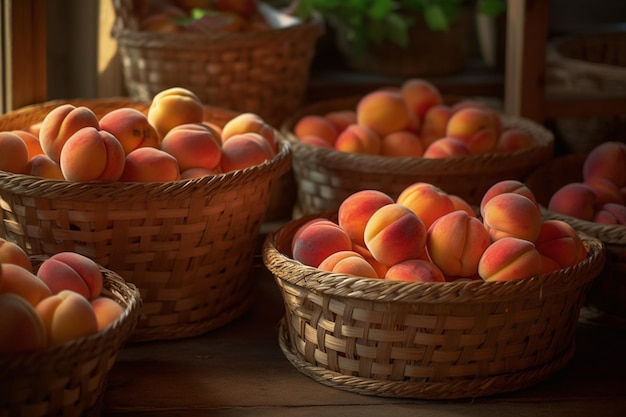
607 233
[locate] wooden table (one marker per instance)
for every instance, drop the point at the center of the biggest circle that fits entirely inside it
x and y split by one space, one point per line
239 370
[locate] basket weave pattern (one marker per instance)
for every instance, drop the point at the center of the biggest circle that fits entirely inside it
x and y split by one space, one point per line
427 340
187 245
70 379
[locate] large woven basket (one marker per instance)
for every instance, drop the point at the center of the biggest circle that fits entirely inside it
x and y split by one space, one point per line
588 65
69 380
325 177
427 340
264 72
187 245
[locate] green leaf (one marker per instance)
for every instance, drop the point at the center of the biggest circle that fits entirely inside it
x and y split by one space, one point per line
491 7
380 9
435 17
397 30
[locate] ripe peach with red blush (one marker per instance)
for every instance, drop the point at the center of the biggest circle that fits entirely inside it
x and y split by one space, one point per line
192 148
71 270
446 147
559 242
427 201
341 119
107 311
383 110
359 139
461 204
420 95
316 141
249 123
511 140
67 316
608 161
31 141
60 124
435 123
18 280
314 241
150 165
574 199
415 270
506 186
11 252
131 127
42 166
402 143
509 259
316 125
606 191
14 155
474 126
348 262
244 151
512 215
611 213
174 106
355 211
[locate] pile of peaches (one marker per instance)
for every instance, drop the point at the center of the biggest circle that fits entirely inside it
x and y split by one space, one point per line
412 120
62 300
172 141
429 235
601 195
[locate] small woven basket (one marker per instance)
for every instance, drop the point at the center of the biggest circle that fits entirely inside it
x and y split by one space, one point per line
427 340
187 245
69 380
264 72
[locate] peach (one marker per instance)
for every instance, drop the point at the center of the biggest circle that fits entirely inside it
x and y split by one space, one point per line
356 209
548 265
512 215
317 125
461 204
427 201
250 123
14 155
456 242
506 186
11 252
215 129
317 240
394 234
31 141
73 271
341 119
384 111
304 226
192 148
420 95
512 139
150 165
358 139
574 199
348 262
42 166
435 123
402 143
559 242
107 310
21 328
198 173
67 316
446 147
316 141
131 127
92 155
380 268
415 270
509 259
611 213
607 160
606 191
244 151
60 124
475 127
20 281
174 106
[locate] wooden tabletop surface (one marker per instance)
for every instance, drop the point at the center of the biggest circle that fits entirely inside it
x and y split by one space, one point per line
240 370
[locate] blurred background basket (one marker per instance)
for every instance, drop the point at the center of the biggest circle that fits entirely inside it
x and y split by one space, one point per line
187 245
325 177
589 65
427 340
69 380
264 72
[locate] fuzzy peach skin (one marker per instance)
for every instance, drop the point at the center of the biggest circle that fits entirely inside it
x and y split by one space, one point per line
394 234
12 253
355 211
304 226
60 124
384 111
14 155
402 143
511 140
131 127
559 241
92 155
21 328
475 127
67 316
574 199
509 259
446 147
456 242
20 281
315 141
607 160
341 119
192 148
199 173
461 204
611 213
174 106
31 141
419 95
107 311
435 123
427 201
512 215
506 186
244 151
316 125
415 270
150 165
316 241
359 139
42 166
606 191
250 123
379 267
214 128
348 262
72 271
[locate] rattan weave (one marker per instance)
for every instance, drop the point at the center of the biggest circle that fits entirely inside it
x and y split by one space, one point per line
187 245
427 340
69 380
325 177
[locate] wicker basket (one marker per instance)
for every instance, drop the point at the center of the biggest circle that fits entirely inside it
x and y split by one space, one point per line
187 245
325 177
263 72
588 65
69 380
427 340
